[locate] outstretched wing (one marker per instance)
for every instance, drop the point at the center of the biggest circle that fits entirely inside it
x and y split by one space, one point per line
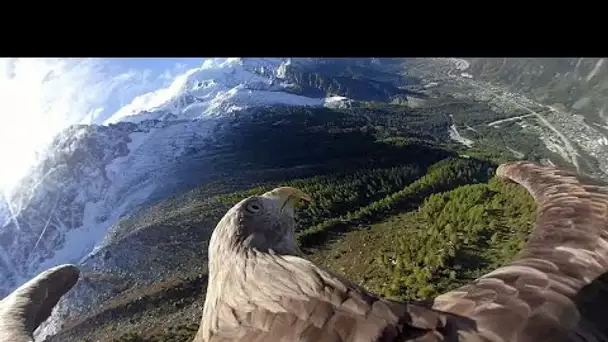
22 311
542 295
290 299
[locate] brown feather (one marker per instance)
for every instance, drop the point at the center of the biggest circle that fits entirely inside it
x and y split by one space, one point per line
22 311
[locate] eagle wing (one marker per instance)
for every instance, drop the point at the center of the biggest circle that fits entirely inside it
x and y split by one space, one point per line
542 294
23 310
534 298
294 300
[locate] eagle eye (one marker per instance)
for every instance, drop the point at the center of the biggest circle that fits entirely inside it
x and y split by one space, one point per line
253 207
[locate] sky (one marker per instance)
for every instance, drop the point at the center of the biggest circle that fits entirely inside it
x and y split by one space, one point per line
40 97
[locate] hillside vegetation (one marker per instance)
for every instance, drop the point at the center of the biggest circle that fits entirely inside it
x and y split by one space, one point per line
418 213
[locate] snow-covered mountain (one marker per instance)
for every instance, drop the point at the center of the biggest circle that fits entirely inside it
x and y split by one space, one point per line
93 175
220 86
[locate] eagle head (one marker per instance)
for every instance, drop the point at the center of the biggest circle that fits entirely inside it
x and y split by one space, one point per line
263 224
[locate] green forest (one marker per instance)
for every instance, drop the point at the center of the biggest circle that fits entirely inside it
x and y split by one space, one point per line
420 214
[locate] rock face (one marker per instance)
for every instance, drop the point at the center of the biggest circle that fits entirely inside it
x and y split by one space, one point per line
93 176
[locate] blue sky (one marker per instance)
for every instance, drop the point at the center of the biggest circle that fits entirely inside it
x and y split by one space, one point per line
40 97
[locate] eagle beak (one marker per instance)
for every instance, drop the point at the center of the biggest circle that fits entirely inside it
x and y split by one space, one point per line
288 196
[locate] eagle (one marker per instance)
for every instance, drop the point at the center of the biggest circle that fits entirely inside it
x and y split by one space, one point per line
261 286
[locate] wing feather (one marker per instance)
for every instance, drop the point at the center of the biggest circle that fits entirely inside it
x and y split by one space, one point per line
294 300
536 296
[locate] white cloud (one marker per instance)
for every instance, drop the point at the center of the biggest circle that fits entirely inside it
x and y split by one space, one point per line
40 97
